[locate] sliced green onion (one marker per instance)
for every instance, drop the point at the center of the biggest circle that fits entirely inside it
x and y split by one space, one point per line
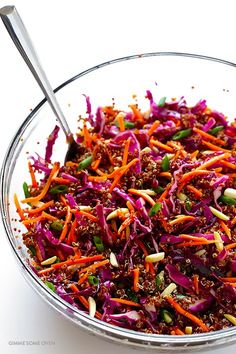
50 286
32 250
85 163
61 188
218 213
127 124
26 190
131 295
162 102
188 205
166 316
159 189
156 207
227 200
182 134
98 243
216 130
160 279
56 225
93 280
180 296
165 164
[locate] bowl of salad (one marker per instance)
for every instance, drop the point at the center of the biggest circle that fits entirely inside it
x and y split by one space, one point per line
134 239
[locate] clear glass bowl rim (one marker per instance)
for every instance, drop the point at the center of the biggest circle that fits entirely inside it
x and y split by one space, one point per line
138 339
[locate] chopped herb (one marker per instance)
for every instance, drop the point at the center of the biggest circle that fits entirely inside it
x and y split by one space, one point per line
165 164
85 163
61 188
50 286
158 281
26 190
216 130
182 134
227 200
56 225
166 316
128 125
162 102
159 189
188 205
156 207
131 295
93 280
32 250
98 243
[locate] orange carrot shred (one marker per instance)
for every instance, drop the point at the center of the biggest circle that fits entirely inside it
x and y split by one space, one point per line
153 127
18 208
94 266
125 302
121 122
160 145
213 160
187 314
228 164
214 147
84 301
209 136
225 228
195 191
32 175
126 152
39 209
78 261
230 246
143 195
86 213
137 114
54 170
181 219
196 283
136 279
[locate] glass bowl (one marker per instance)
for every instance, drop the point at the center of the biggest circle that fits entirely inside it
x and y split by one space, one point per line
166 74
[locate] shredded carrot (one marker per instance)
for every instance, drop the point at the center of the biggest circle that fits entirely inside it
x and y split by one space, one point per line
32 175
87 136
125 302
84 301
178 332
193 244
194 154
148 266
45 271
136 279
225 228
192 238
65 228
81 260
153 127
126 152
160 145
185 313
165 174
18 208
85 213
196 283
137 114
228 164
38 253
232 175
195 191
143 195
54 171
209 136
212 161
181 219
218 169
42 216
63 200
72 236
190 175
121 122
39 209
163 195
61 180
214 147
94 266
71 164
119 174
83 278
96 163
233 285
60 255
229 279
230 246
130 206
97 178
126 223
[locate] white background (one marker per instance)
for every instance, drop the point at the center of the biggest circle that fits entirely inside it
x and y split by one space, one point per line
71 36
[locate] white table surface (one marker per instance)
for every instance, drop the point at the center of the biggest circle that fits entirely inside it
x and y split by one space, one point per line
70 37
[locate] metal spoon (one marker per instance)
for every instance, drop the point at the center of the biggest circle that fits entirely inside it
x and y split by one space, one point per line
23 43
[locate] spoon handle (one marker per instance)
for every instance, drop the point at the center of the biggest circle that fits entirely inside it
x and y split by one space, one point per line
23 43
